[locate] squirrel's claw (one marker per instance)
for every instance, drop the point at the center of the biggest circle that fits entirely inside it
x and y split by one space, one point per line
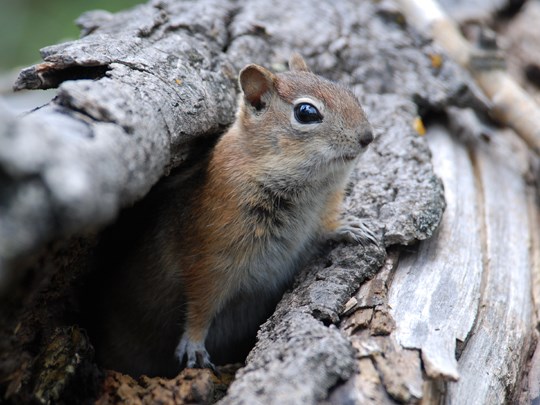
354 230
195 354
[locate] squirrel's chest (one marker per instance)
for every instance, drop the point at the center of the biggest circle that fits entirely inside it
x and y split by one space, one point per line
275 244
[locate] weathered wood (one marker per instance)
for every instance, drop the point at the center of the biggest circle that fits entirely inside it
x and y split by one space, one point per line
371 330
523 58
501 340
435 291
468 286
480 250
531 389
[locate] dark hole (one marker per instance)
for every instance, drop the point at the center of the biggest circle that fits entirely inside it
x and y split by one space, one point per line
510 9
532 73
53 78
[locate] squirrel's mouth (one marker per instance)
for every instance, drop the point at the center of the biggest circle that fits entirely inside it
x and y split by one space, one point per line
344 159
347 158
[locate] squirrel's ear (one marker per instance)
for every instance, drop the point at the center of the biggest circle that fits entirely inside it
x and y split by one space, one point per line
256 82
297 63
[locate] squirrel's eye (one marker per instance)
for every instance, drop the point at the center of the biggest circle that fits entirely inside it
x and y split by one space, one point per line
306 113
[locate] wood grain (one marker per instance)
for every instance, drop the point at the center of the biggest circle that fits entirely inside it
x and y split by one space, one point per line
493 360
435 291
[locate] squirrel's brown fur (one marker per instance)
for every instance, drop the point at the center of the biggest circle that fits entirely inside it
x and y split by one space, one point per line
207 269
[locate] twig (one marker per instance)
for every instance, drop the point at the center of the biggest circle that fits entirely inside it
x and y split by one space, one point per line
510 103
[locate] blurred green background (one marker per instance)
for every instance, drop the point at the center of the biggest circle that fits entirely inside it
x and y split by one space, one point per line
28 25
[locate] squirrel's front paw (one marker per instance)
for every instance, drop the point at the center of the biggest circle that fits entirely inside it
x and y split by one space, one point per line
195 353
354 230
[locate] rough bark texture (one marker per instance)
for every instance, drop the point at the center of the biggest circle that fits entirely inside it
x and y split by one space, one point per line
138 95
146 85
163 75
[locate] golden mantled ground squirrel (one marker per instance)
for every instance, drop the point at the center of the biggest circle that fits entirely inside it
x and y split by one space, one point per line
209 265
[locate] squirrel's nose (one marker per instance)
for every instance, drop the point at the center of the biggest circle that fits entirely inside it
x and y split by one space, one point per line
366 137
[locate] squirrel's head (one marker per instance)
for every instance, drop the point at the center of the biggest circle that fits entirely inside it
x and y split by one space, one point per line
299 119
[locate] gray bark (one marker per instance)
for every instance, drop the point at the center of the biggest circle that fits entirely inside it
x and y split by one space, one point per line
162 82
141 86
101 144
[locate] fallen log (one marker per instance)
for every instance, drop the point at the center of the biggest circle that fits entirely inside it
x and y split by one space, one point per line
140 94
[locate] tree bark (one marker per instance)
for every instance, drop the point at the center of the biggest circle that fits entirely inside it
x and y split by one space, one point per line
138 95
